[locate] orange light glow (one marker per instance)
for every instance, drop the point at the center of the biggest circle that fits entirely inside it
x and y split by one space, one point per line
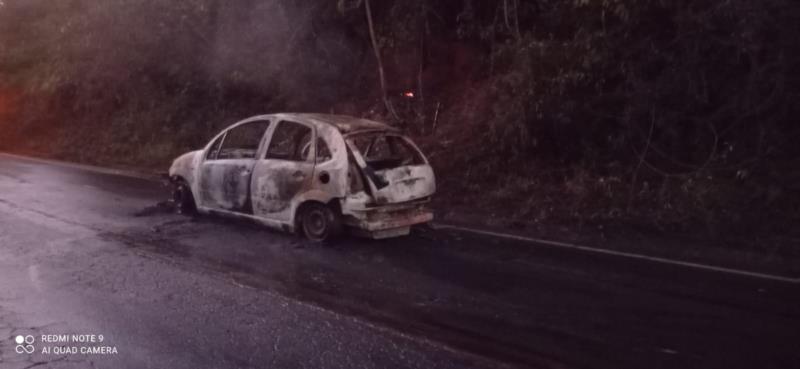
408 94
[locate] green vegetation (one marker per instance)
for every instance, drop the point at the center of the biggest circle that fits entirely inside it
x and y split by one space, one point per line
666 114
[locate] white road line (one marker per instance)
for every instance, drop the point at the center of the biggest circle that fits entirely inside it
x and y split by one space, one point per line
623 254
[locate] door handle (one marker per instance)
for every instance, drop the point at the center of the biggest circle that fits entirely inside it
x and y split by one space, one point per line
298 174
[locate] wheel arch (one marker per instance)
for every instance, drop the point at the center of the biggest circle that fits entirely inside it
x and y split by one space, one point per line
314 196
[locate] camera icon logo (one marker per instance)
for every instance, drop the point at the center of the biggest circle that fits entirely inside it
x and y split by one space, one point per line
24 344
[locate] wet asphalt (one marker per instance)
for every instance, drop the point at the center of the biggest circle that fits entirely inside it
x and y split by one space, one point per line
83 252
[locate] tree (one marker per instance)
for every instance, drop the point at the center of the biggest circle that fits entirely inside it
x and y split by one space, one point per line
347 5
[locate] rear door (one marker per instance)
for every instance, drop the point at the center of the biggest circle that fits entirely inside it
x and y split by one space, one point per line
396 169
286 170
224 182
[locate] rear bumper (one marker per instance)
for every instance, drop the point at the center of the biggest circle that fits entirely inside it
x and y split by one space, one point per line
390 217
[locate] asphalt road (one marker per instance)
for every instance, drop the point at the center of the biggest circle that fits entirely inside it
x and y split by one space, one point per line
83 252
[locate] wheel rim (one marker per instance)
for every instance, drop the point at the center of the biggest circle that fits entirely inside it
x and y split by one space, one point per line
179 197
316 224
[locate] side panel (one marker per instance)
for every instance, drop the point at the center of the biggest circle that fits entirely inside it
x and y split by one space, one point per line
284 172
330 174
224 184
276 184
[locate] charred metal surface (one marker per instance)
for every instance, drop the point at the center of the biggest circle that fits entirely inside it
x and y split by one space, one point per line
406 183
336 167
225 184
381 218
184 166
276 188
269 190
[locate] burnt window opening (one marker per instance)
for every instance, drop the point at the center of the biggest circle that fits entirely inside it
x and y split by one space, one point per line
213 151
242 142
323 152
291 141
382 151
355 182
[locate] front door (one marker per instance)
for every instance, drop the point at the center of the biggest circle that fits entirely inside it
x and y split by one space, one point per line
225 173
285 171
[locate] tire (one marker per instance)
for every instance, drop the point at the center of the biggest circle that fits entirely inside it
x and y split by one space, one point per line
319 222
183 198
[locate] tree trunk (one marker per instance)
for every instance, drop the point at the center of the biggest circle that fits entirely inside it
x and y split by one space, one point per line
379 59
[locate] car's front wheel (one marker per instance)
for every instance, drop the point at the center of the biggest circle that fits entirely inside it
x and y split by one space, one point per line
183 198
319 222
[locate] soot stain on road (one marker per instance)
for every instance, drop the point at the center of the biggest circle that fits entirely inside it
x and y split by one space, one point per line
162 207
140 241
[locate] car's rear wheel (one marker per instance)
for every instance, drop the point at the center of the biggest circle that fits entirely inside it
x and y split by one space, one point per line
319 222
183 198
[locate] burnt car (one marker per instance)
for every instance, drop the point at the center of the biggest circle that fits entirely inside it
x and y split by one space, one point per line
314 174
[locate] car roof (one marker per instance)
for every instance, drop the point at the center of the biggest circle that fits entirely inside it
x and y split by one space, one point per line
343 123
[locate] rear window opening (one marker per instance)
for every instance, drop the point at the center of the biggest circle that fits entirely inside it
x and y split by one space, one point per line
383 151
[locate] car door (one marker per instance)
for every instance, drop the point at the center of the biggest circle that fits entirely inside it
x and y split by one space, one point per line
285 171
224 182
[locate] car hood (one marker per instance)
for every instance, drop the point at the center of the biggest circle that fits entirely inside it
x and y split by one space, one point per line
184 165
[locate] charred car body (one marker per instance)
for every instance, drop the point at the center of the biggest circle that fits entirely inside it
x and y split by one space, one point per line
314 174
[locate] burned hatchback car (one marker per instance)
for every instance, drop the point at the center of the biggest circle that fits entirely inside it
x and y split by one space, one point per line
314 174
